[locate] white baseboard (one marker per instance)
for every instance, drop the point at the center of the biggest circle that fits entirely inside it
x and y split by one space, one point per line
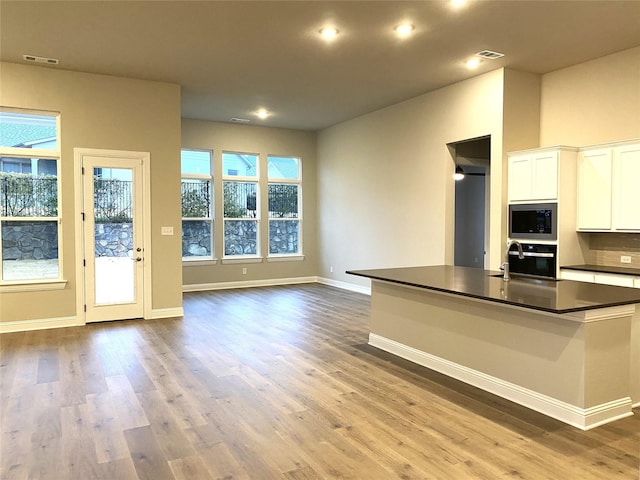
39 324
581 418
345 285
201 287
167 312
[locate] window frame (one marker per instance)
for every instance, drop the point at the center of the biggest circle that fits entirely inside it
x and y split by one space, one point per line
286 181
248 258
204 259
37 283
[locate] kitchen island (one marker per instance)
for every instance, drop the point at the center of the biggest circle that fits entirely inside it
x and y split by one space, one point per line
559 347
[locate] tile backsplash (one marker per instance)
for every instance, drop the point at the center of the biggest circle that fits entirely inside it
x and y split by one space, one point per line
606 249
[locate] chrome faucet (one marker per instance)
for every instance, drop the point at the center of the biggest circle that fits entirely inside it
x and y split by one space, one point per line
505 266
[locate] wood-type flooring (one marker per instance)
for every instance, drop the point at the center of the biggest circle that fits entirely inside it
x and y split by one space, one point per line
270 383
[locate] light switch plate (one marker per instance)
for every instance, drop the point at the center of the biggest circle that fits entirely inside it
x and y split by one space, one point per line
625 259
167 230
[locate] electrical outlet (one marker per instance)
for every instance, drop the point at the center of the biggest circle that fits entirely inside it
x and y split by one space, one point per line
625 259
244 271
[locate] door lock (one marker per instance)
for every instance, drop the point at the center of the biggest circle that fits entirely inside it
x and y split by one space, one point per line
138 249
138 259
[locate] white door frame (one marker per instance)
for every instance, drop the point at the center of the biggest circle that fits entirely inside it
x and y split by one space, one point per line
144 157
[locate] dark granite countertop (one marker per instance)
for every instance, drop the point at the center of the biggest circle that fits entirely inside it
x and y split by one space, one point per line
561 296
603 269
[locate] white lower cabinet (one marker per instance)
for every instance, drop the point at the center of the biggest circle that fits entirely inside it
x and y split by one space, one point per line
602 278
613 279
576 275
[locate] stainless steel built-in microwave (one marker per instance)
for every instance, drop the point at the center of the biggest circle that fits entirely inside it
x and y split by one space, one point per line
533 221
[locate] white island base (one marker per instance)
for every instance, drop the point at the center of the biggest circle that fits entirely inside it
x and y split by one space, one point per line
573 366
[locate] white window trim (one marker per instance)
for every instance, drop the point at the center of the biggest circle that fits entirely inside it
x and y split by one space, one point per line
198 261
12 286
38 284
257 257
286 257
282 257
193 261
242 259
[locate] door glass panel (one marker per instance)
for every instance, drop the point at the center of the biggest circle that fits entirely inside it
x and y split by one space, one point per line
113 236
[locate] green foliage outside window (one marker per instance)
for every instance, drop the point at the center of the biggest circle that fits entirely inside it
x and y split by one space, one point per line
283 200
196 200
26 195
236 200
112 201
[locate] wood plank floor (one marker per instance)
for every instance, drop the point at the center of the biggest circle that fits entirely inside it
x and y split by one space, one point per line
270 383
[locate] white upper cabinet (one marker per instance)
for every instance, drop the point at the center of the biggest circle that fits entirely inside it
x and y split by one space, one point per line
626 200
594 189
609 188
533 176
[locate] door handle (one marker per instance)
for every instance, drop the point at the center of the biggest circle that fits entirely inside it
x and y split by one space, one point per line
138 259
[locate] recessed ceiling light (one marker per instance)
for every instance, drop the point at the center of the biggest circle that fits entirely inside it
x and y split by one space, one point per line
404 29
458 3
329 33
473 63
262 113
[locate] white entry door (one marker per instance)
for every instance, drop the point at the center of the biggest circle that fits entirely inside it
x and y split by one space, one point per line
113 238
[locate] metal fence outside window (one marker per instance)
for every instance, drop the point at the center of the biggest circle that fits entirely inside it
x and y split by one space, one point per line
113 200
283 200
196 199
24 195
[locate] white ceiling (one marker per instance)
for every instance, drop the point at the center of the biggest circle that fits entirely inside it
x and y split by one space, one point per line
233 57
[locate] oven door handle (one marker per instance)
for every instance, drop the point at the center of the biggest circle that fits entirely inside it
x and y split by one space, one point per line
533 254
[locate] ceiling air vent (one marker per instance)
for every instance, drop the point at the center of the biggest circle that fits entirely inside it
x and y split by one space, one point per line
239 120
34 58
488 54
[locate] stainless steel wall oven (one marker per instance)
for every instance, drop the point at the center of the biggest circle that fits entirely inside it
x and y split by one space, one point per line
540 260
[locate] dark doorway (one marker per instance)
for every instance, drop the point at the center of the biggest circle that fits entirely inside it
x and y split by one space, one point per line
473 157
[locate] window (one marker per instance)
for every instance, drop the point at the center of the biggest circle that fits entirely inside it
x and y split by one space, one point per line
30 220
197 205
285 192
241 204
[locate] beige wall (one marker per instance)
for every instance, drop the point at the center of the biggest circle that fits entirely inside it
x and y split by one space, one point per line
385 180
104 112
221 137
593 102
